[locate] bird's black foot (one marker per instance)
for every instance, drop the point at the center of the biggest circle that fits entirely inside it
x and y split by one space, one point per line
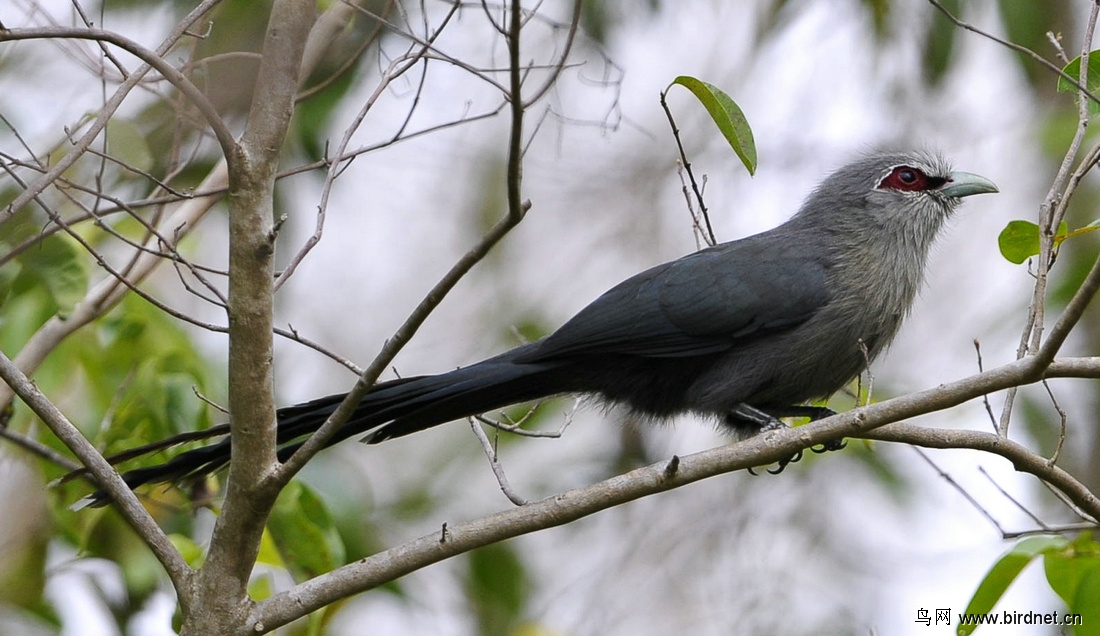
745 416
815 413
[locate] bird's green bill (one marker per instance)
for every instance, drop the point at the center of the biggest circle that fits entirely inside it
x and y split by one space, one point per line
964 184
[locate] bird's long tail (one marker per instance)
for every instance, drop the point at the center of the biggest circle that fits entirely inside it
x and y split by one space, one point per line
391 409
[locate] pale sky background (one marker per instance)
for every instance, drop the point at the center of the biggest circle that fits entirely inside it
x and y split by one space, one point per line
735 554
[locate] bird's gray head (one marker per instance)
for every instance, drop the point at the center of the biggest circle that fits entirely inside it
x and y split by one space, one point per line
907 194
877 217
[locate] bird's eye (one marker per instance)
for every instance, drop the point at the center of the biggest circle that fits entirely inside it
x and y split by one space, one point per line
910 179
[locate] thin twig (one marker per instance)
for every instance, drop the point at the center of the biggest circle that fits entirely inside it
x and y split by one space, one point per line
962 491
212 403
697 228
105 114
292 334
1022 508
433 53
985 398
1022 458
1056 43
557 67
1079 85
1059 529
38 448
708 237
1069 503
153 59
121 275
494 463
396 69
349 63
516 427
1062 424
106 294
867 371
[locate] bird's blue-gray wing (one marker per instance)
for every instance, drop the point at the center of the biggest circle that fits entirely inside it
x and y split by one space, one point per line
700 304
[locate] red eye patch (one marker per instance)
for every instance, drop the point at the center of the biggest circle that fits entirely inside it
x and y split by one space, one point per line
909 179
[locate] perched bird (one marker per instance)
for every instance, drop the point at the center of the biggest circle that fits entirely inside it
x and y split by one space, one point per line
746 331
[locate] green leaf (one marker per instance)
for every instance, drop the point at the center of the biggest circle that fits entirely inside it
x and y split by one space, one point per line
727 115
1019 240
304 534
1087 603
1073 69
1005 571
1074 574
58 264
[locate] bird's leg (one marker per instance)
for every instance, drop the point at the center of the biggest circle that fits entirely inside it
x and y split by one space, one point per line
763 422
815 413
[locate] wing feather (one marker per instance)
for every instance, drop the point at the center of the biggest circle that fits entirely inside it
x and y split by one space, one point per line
700 304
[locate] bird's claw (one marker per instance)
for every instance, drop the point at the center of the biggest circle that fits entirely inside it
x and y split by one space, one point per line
767 421
783 463
831 445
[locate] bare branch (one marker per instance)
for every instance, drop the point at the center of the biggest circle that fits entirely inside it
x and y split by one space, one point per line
1069 528
872 422
435 54
106 294
292 334
221 588
574 24
1071 314
334 20
1022 458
